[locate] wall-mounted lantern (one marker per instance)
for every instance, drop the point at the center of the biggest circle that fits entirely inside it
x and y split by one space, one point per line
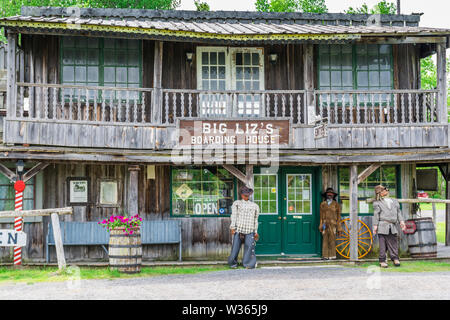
273 58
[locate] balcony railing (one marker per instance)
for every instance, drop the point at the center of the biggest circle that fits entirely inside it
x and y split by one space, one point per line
75 103
378 107
137 106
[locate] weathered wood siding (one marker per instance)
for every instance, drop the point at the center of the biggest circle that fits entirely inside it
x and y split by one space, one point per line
203 238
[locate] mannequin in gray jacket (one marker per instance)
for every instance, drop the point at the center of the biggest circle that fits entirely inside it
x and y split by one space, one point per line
386 214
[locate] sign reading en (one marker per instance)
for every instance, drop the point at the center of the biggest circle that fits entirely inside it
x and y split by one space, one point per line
234 132
11 238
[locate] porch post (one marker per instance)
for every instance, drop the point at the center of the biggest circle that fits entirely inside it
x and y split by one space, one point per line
133 182
447 207
308 74
354 213
442 82
157 97
11 75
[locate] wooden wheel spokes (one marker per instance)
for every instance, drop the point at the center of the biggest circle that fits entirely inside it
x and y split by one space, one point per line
365 240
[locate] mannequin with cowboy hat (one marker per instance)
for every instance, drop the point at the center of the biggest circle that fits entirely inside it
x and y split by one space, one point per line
330 223
386 214
244 229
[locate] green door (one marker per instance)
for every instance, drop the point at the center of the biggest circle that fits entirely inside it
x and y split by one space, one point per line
294 194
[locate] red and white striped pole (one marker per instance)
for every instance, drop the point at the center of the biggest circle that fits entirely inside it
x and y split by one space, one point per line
19 186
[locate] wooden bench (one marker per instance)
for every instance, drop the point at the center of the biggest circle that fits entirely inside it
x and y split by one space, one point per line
91 233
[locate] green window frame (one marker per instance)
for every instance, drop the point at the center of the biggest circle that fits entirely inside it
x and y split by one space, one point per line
201 191
388 176
8 194
266 193
106 62
367 67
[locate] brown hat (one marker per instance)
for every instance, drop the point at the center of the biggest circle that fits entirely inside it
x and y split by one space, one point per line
329 190
379 189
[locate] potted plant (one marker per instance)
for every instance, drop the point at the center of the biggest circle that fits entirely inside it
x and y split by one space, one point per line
125 249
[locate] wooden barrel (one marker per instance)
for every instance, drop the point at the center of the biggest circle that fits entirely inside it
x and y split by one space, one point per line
125 251
423 243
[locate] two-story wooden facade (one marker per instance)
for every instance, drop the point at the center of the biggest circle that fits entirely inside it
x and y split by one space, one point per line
167 113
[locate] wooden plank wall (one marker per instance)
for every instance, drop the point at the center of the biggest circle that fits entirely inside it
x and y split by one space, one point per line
203 238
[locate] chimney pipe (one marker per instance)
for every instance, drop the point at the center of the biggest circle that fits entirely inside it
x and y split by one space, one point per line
398 6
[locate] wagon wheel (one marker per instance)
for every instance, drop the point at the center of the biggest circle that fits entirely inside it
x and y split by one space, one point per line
365 239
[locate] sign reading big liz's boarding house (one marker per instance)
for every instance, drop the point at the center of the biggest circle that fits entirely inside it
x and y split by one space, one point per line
234 132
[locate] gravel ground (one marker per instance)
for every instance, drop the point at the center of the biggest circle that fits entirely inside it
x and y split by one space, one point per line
305 282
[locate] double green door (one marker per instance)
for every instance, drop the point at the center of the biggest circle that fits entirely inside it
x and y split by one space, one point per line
289 206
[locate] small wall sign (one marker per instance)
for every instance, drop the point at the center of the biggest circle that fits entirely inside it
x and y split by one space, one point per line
78 191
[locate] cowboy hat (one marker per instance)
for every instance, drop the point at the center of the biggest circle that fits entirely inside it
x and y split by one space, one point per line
329 190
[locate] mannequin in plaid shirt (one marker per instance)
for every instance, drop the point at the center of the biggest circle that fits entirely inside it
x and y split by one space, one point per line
244 228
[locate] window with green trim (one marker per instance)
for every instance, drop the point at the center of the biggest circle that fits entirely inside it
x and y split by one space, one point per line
102 62
201 191
8 194
266 191
387 176
361 67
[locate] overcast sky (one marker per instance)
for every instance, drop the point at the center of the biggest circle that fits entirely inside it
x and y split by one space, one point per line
436 12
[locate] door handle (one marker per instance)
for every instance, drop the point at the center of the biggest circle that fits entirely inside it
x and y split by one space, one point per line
284 218
279 218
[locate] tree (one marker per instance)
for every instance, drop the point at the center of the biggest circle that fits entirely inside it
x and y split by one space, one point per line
201 6
314 6
382 7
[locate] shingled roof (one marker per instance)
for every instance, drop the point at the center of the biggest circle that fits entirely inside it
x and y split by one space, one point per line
217 25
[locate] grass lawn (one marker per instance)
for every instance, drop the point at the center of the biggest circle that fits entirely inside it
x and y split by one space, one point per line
411 266
45 274
428 207
440 232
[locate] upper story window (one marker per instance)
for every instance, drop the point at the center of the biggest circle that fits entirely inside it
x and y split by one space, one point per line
101 62
221 69
355 67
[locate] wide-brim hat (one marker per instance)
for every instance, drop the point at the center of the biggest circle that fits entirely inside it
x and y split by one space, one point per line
380 188
329 190
246 191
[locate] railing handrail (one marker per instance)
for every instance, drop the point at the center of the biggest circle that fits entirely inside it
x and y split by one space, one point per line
393 91
231 91
69 86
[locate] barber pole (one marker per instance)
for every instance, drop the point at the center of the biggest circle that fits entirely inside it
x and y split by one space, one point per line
19 186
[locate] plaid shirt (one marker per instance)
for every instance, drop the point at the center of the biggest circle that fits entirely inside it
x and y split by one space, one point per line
244 216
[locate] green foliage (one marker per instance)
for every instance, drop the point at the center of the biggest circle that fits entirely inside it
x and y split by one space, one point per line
314 6
428 73
382 7
201 6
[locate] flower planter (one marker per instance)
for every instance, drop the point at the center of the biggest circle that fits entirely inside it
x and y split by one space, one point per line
125 250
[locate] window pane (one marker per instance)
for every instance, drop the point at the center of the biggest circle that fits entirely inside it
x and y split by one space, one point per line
336 78
221 72
92 58
80 74
109 57
68 56
68 74
213 72
213 58
80 56
93 43
239 59
133 44
109 74
205 59
255 59
324 62
80 42
222 58
239 73
324 78
347 79
205 72
133 75
374 79
247 59
92 74
363 78
121 58
121 74
133 58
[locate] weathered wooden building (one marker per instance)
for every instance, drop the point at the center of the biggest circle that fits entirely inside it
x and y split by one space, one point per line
166 113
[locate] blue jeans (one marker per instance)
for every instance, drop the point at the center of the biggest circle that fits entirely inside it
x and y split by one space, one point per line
249 258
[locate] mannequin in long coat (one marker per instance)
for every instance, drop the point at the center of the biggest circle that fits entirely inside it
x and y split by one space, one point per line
330 223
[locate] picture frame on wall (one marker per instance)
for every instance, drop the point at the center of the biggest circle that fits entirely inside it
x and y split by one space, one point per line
109 192
78 189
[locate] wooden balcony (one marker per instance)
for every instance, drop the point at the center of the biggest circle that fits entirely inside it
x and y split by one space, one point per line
146 118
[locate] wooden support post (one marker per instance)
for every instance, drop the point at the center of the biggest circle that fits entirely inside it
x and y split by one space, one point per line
34 171
11 74
367 172
235 172
447 210
433 206
249 176
58 242
354 213
157 99
442 82
308 78
11 175
133 186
